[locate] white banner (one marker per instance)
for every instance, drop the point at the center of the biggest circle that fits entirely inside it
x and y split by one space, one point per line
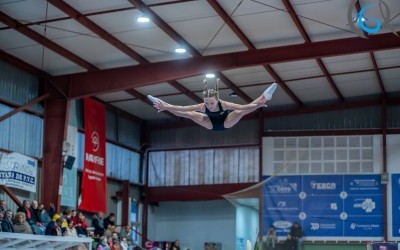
18 171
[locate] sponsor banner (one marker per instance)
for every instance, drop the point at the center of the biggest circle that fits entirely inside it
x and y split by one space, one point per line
285 185
396 205
367 226
277 205
69 183
364 205
18 171
364 184
94 179
281 223
327 226
323 185
323 205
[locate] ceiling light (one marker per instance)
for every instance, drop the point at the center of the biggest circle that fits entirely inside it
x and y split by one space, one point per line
143 19
210 75
180 50
233 95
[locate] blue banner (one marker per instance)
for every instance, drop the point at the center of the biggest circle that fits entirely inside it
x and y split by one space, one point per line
327 205
395 205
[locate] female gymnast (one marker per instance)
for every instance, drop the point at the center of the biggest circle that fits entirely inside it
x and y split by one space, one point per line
214 114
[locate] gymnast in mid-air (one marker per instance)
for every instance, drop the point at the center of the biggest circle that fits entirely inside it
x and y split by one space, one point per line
214 114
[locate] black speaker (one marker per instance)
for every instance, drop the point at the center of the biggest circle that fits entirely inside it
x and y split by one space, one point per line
69 162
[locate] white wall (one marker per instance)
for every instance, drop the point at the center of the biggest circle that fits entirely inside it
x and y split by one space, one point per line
247 226
194 223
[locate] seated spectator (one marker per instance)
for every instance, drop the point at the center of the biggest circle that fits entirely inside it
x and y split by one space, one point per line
103 245
80 224
45 215
3 206
296 233
21 225
109 231
7 224
26 209
110 220
98 223
70 230
127 233
271 237
175 245
124 243
1 221
36 219
54 227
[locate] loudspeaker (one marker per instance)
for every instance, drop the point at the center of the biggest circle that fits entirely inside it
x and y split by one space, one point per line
69 162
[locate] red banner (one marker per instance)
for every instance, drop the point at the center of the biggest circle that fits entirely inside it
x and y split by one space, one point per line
94 179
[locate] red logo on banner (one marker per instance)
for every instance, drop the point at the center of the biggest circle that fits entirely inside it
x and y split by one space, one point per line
94 179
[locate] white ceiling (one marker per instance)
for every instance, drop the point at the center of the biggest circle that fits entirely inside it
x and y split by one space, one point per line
264 23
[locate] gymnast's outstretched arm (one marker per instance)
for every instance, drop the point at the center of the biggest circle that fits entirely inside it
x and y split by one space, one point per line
251 106
161 106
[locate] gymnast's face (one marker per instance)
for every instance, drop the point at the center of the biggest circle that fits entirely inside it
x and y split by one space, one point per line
211 102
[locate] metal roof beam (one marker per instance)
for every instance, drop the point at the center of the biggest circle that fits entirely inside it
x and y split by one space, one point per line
7 20
109 80
306 37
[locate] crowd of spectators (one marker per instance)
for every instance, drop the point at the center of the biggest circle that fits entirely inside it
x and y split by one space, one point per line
33 218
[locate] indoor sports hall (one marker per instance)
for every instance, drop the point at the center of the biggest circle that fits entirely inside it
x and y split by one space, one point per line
200 124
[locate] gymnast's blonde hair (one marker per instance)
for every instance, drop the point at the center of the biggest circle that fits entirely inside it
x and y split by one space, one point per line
211 92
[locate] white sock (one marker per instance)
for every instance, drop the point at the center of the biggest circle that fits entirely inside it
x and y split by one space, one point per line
269 91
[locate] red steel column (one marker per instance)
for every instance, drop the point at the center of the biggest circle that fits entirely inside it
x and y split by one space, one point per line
55 131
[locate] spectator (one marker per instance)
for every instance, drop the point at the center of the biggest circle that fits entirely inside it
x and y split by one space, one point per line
21 225
45 216
1 221
110 220
3 206
271 237
80 224
26 209
98 223
175 245
103 244
54 227
124 243
7 224
70 230
127 233
36 220
296 233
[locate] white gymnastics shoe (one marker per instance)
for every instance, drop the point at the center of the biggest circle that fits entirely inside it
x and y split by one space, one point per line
153 99
269 91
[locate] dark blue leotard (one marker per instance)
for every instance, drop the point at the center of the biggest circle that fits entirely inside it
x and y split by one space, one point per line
217 118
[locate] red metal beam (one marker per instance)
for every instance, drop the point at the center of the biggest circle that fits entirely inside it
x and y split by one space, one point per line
228 20
185 91
306 37
18 63
296 111
86 22
156 19
98 13
283 85
55 130
7 20
193 193
144 99
180 40
246 41
378 75
10 193
23 107
104 81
